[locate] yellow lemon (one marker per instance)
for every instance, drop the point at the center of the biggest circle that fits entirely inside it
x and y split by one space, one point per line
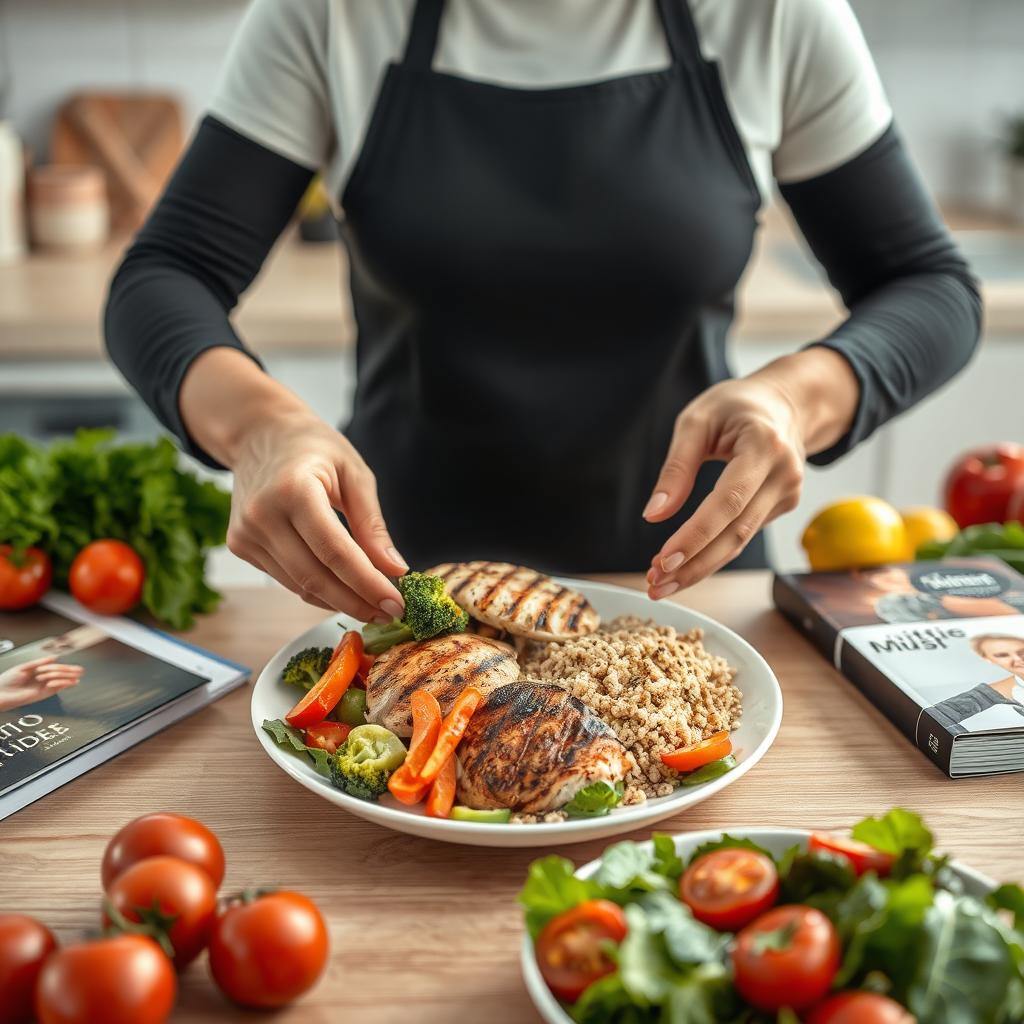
854 533
924 525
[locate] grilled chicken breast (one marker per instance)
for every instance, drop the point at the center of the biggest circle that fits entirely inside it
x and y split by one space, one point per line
444 666
532 746
522 601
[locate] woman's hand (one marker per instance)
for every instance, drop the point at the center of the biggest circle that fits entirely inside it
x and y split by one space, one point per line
762 427
292 472
36 680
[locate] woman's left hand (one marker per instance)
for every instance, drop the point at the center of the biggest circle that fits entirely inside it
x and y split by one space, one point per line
762 427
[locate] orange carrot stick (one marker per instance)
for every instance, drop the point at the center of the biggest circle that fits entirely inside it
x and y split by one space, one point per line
426 724
324 695
442 792
452 730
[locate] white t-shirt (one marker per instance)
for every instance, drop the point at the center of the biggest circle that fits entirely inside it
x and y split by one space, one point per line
302 76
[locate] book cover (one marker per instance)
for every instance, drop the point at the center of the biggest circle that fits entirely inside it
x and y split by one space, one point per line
71 681
937 646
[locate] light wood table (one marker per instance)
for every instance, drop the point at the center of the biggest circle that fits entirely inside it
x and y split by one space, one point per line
429 932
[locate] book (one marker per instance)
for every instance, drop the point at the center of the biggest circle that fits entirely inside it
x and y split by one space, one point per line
938 647
128 682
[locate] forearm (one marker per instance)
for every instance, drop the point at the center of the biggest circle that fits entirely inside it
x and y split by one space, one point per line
225 399
822 389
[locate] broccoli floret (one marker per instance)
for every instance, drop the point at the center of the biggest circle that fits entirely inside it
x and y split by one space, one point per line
429 612
365 761
305 668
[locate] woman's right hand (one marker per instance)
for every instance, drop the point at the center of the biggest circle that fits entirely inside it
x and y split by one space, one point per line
293 473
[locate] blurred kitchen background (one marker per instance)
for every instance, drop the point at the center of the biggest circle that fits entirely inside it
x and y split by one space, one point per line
954 70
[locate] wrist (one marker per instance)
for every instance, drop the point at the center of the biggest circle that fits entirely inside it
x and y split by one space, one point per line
822 390
227 402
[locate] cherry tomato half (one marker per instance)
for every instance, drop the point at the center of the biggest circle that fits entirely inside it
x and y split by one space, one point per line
327 736
107 576
571 950
727 889
689 759
787 957
24 946
268 952
163 833
862 858
124 980
23 579
860 1008
172 894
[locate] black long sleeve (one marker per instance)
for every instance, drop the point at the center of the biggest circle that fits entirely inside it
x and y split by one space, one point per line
915 311
200 248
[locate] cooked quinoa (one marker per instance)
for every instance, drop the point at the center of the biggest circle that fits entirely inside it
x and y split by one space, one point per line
658 689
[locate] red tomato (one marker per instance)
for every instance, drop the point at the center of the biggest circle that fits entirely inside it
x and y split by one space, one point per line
23 579
1015 510
327 736
571 951
171 894
268 952
107 576
981 484
862 858
24 946
860 1008
689 759
163 833
787 957
727 889
124 980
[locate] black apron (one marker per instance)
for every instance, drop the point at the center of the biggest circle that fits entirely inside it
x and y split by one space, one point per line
541 279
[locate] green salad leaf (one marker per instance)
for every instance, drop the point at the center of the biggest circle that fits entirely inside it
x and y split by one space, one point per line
77 490
812 877
709 772
666 861
551 888
595 800
1009 897
291 739
899 832
728 842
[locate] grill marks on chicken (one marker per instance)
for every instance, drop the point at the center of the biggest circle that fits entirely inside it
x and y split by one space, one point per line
532 746
523 601
444 666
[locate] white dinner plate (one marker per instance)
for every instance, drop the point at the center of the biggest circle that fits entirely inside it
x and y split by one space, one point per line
762 714
776 841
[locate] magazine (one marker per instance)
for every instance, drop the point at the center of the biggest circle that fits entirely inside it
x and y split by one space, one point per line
936 646
76 689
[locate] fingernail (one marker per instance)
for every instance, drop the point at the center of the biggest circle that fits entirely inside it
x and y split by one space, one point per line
665 591
382 620
656 504
392 608
395 557
672 562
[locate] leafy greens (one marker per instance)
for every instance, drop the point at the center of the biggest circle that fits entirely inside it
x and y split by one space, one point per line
61 497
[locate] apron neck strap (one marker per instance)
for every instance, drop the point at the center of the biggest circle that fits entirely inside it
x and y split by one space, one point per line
426 20
683 41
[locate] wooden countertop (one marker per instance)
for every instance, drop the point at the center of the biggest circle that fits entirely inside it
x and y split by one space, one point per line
429 932
51 305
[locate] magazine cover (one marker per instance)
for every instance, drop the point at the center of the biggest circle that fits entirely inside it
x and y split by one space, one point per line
938 646
70 680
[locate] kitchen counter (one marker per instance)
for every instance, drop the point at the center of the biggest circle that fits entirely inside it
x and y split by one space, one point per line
427 932
50 305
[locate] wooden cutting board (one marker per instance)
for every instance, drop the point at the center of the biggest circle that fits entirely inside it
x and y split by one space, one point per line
135 137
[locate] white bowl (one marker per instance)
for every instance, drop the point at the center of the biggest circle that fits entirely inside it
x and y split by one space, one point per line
775 841
762 714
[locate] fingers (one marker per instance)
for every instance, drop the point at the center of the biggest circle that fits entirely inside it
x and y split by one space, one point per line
37 663
361 506
689 447
313 582
778 494
332 545
57 673
723 508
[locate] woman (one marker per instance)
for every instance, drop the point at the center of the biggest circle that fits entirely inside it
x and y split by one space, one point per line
547 206
1006 652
